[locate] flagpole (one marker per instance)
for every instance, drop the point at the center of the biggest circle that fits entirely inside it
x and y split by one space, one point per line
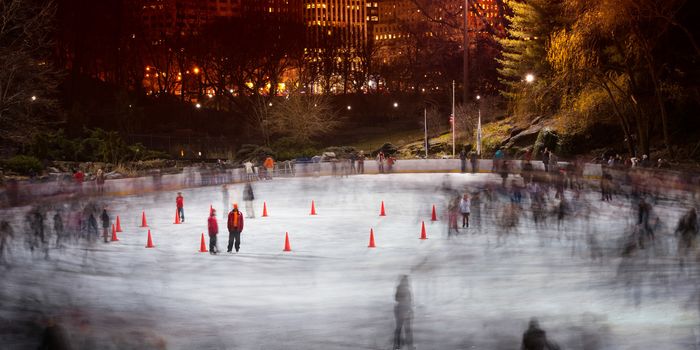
425 124
478 136
453 119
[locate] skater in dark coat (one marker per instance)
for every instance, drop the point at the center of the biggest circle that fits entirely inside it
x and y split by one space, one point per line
535 338
248 198
403 313
105 225
213 231
58 228
235 227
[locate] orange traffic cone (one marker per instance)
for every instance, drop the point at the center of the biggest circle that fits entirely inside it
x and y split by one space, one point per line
149 244
371 239
119 225
264 209
177 217
382 212
313 208
423 235
203 246
434 217
114 233
287 247
143 219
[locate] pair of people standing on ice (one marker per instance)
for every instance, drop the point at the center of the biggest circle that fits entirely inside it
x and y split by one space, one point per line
234 225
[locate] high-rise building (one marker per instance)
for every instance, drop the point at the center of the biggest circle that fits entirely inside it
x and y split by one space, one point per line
165 18
346 20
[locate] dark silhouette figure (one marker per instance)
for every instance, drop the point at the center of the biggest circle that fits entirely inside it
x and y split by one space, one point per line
403 312
535 338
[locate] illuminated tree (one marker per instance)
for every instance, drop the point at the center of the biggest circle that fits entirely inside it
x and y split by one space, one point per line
28 81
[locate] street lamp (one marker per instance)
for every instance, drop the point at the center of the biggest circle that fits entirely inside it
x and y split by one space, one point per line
198 106
349 107
529 78
33 98
396 105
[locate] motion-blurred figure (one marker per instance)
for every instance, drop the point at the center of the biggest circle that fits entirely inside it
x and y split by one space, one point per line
6 233
100 181
58 228
465 208
105 225
180 203
213 228
688 230
224 196
403 312
248 198
535 338
54 337
361 163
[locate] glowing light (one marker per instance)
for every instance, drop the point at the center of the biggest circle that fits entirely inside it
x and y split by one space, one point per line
198 105
33 98
529 78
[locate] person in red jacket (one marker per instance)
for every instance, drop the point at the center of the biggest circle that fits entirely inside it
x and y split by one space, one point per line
213 231
235 227
180 202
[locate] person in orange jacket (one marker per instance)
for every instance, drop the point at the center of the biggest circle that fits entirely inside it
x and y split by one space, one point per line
269 165
235 227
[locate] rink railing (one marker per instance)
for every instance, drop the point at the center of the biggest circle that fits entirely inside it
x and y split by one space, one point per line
25 193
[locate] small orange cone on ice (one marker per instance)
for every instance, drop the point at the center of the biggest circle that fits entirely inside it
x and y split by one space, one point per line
313 208
382 212
114 233
203 246
177 217
371 239
119 224
287 247
143 219
264 209
149 244
423 235
434 217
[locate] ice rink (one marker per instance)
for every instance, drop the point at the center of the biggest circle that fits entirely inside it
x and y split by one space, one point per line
476 290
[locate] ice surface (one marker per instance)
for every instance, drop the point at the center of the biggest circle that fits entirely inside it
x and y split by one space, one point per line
332 292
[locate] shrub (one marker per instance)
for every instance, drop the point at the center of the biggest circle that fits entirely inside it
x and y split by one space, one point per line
23 165
546 138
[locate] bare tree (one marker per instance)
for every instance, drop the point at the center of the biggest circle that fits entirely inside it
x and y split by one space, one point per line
28 81
305 117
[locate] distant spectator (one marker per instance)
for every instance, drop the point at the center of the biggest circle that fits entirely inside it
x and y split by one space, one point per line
269 167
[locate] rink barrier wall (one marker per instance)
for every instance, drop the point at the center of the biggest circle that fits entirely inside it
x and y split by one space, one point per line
195 177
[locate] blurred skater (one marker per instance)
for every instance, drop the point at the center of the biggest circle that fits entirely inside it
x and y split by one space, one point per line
465 209
535 338
235 227
58 228
213 231
224 195
380 162
269 165
248 198
403 313
180 203
688 230
105 225
100 181
6 233
361 163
